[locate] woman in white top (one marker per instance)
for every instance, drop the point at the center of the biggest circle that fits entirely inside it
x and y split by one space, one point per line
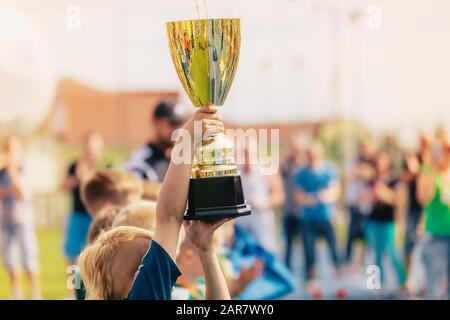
264 193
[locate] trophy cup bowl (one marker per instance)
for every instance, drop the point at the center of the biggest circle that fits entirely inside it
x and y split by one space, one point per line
205 54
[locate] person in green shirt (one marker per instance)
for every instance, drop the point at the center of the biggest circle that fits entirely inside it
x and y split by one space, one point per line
433 192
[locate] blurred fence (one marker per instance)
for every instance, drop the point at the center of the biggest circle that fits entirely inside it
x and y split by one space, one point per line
51 209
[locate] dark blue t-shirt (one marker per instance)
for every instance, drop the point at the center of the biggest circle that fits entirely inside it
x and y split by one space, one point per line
312 181
157 276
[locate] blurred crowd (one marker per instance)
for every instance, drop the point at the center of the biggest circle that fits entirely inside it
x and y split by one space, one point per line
386 189
380 190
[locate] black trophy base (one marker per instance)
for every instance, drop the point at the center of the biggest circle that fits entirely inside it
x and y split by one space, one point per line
216 198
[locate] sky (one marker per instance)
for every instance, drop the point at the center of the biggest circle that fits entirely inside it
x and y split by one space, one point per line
383 62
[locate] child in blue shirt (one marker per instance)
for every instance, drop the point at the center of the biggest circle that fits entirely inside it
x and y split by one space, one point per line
130 262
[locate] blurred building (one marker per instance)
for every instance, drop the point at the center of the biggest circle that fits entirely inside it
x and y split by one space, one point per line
121 117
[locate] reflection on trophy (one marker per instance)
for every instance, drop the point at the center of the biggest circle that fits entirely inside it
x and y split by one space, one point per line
205 54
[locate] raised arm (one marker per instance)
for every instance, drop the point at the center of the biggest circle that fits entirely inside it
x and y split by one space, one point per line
425 188
216 286
388 194
201 235
172 198
246 276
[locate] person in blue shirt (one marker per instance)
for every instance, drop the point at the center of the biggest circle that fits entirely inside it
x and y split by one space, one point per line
132 263
317 191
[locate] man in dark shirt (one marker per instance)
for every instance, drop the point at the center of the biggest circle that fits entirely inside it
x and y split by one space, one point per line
409 175
151 161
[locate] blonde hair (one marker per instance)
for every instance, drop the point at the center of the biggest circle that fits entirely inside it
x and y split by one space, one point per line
140 214
151 190
97 258
110 186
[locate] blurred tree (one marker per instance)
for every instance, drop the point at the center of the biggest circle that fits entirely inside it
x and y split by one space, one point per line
340 139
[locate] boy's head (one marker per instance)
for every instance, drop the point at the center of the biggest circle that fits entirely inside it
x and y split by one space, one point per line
103 221
141 214
109 187
110 264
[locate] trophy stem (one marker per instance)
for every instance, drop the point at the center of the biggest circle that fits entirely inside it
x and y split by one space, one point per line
214 157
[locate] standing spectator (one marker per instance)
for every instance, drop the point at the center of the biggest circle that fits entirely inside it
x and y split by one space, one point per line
425 149
359 172
409 177
380 226
79 220
264 193
17 221
151 161
433 192
317 193
291 213
395 152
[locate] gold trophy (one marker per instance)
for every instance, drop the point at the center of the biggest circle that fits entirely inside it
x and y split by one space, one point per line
205 54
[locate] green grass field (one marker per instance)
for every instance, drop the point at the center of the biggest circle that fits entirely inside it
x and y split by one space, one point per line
53 267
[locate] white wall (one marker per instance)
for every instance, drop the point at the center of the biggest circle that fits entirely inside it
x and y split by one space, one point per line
394 78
